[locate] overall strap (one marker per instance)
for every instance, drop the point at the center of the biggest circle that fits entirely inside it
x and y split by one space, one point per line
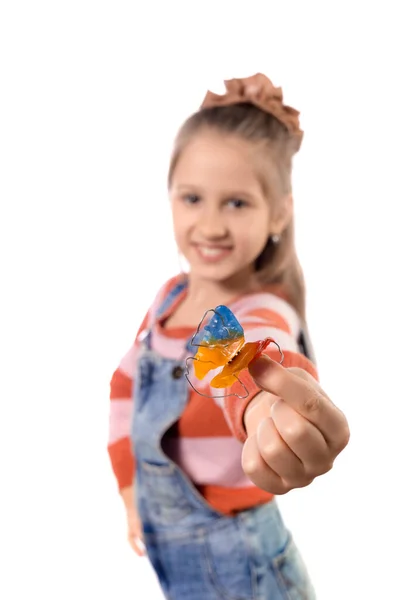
169 299
162 307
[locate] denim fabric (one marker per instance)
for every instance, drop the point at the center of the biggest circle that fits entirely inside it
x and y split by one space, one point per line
196 552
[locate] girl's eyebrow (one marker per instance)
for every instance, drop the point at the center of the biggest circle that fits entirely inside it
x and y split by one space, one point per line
238 194
225 194
186 186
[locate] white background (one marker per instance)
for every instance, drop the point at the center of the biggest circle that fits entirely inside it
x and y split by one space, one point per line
91 96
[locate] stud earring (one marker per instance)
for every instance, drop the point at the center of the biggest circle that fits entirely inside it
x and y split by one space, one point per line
275 238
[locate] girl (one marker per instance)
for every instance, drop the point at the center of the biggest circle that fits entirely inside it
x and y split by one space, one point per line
206 470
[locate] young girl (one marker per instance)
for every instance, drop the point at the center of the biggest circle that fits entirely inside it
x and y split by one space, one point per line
205 469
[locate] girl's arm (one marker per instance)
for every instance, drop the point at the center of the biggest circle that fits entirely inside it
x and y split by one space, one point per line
134 525
292 431
265 315
120 416
119 444
120 419
127 495
121 404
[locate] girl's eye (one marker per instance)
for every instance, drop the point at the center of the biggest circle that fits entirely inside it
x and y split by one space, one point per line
191 198
237 203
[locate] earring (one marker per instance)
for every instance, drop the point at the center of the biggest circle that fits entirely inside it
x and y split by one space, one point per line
275 238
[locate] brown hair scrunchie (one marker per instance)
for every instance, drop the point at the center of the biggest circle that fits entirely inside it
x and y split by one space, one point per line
259 91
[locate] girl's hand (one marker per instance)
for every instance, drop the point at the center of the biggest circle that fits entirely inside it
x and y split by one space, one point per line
135 534
294 430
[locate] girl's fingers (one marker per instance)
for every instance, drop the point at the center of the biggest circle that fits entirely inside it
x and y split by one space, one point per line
258 470
295 431
278 456
302 438
136 545
305 396
135 534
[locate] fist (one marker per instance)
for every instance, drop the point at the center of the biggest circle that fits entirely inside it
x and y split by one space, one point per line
294 430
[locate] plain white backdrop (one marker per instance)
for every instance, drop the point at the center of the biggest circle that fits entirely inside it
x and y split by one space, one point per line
91 96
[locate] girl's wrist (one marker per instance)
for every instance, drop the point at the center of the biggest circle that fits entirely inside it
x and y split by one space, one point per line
127 495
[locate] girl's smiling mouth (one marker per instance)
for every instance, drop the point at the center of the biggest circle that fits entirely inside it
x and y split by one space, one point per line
212 252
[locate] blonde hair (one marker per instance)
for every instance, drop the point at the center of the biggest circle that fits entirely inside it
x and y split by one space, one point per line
278 262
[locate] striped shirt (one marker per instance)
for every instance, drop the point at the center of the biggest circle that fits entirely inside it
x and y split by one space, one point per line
207 440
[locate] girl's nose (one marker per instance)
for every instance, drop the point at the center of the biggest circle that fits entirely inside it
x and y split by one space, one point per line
211 224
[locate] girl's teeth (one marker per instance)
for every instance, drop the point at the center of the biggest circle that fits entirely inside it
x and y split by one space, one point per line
212 251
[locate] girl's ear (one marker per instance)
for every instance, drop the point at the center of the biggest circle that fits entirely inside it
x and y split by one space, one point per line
283 216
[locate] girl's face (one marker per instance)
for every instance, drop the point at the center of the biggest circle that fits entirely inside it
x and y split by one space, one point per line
221 216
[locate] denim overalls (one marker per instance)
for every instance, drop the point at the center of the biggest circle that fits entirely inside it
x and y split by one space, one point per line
197 552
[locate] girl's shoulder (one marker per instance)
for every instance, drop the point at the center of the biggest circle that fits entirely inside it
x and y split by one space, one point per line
269 304
175 285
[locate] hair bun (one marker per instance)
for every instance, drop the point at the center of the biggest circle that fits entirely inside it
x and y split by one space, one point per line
259 91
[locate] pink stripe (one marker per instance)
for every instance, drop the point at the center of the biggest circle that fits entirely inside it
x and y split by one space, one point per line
271 302
286 341
168 347
129 361
257 321
209 460
120 420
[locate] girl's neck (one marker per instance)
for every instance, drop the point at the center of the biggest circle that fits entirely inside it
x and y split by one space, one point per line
203 292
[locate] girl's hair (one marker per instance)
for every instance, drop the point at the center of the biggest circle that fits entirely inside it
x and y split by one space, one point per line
278 262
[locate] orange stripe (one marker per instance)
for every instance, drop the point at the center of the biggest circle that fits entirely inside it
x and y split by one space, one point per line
231 500
122 462
120 386
202 418
293 359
